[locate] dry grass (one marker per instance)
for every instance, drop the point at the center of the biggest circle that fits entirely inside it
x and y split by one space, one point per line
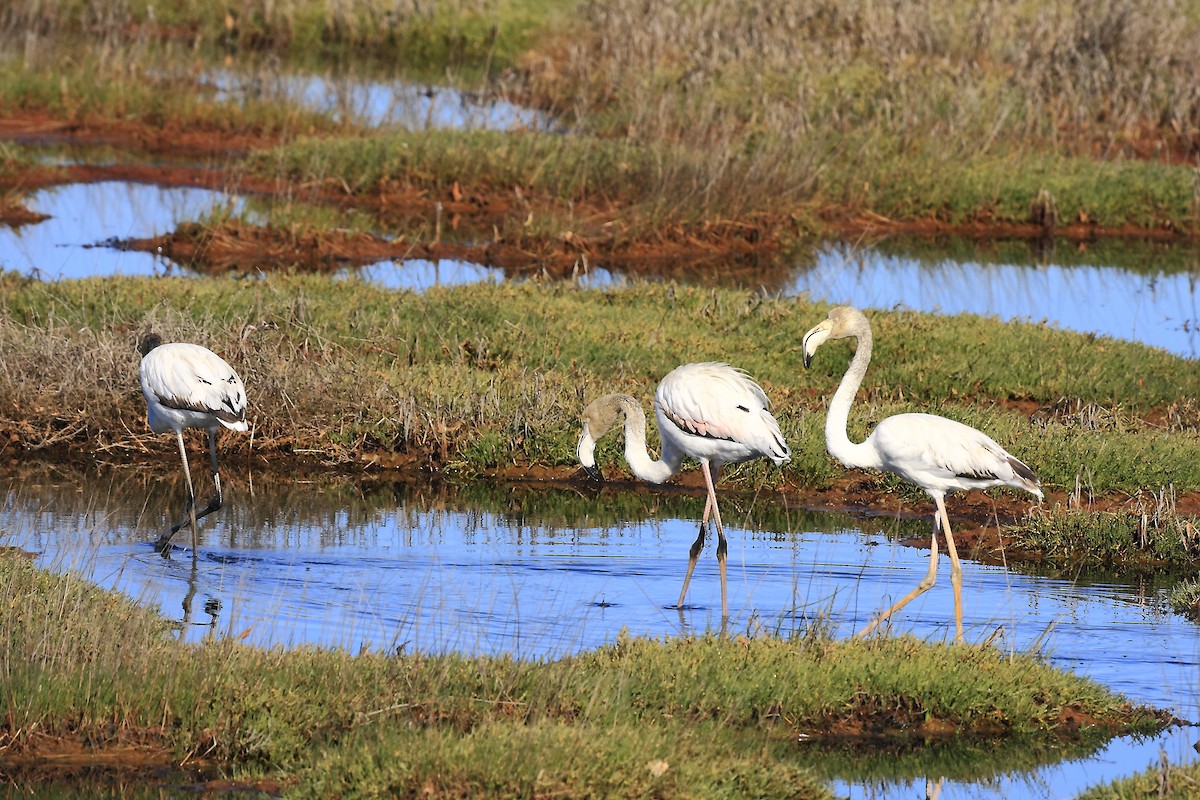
849 101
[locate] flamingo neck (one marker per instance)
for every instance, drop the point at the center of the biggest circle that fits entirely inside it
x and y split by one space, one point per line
643 466
837 440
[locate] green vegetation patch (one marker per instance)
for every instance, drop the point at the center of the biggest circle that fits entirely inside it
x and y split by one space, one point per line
1166 781
1102 538
475 33
1185 598
474 377
638 717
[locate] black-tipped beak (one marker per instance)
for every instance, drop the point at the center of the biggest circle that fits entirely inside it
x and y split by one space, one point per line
807 359
594 473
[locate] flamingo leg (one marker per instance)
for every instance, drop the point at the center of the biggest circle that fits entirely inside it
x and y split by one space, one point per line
722 545
955 570
190 514
925 585
694 553
213 505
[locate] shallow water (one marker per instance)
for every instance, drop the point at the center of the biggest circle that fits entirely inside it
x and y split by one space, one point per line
541 572
87 218
376 103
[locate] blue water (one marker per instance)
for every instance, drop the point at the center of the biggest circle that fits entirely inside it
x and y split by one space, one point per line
1153 307
85 218
380 103
311 567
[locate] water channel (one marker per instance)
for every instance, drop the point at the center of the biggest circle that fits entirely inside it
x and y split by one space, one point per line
544 571
1136 299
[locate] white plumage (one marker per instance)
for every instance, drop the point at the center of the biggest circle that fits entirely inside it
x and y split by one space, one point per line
710 412
938 454
189 386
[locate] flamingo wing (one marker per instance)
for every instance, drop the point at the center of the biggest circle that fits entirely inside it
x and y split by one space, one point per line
715 401
188 377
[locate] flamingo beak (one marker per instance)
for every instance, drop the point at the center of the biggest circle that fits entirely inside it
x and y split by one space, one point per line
587 455
814 339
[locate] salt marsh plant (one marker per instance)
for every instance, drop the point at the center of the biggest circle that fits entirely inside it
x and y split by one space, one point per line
343 369
697 715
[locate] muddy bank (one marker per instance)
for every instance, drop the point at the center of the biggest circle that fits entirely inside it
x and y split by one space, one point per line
978 518
480 224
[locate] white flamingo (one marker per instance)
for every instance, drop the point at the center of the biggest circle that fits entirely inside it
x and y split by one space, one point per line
937 454
189 386
711 412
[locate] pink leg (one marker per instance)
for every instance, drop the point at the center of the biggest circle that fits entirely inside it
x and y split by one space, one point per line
694 553
722 545
925 585
955 569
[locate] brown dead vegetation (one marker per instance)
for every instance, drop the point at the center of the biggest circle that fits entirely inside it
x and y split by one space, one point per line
472 217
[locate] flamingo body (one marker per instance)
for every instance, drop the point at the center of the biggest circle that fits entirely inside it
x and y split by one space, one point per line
189 386
938 454
714 412
944 455
710 412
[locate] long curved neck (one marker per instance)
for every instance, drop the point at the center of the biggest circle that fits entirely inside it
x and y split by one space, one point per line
836 438
643 466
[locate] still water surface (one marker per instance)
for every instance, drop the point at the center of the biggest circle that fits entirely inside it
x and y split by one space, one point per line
85 219
1136 300
540 572
378 103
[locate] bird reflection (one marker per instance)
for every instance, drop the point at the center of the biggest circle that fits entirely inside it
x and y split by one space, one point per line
212 605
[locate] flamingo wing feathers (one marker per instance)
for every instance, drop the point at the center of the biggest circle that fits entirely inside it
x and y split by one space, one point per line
187 377
713 400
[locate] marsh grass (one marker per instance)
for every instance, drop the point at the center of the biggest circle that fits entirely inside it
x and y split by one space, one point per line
721 715
462 32
558 171
1148 532
1164 780
745 112
157 85
911 110
475 377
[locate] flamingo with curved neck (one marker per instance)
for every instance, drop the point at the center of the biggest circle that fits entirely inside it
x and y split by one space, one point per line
711 412
938 454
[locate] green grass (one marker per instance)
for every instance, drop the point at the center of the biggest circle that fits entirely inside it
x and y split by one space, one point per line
1185 598
479 376
1101 538
1166 781
473 33
472 380
147 84
1005 186
693 716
